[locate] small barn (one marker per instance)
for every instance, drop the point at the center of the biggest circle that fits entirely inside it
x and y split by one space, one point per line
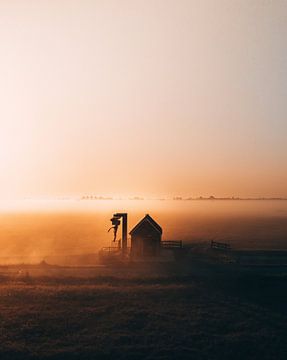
146 238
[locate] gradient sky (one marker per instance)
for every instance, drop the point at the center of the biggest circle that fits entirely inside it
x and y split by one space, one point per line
152 98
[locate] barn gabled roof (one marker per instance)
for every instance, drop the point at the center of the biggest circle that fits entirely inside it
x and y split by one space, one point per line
151 221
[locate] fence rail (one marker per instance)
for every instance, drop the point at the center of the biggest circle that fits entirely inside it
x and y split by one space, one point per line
171 244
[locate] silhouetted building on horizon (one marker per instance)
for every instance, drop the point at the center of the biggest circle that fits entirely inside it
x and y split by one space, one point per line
146 238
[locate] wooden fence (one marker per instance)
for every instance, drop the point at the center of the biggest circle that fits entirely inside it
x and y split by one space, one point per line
171 244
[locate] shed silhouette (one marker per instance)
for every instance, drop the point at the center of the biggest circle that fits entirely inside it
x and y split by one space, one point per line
146 238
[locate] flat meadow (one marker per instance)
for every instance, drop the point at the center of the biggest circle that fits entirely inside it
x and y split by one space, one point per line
195 309
203 312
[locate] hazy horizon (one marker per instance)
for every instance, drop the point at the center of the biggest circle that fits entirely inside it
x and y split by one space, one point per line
65 228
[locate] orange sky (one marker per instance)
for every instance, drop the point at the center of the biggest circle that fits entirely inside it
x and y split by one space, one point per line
157 98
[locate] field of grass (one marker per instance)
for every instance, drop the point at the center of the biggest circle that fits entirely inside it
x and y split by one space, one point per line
203 313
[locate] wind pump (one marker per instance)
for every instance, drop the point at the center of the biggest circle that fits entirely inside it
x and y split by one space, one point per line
116 221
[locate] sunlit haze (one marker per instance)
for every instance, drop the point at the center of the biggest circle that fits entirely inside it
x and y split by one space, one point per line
148 98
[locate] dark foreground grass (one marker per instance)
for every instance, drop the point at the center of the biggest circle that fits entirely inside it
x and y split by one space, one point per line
153 318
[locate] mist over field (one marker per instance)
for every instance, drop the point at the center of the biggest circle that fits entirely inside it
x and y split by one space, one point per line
33 230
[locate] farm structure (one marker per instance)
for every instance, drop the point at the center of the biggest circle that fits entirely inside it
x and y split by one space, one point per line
146 238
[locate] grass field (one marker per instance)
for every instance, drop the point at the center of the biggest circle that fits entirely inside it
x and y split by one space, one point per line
207 312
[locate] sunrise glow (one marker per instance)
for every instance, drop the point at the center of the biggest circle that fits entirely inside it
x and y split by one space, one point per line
137 98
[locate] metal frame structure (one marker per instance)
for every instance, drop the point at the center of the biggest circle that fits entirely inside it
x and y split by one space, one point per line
116 221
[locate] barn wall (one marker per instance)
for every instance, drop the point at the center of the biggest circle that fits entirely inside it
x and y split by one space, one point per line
145 241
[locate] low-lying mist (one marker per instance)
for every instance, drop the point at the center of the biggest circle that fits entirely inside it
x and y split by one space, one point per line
67 228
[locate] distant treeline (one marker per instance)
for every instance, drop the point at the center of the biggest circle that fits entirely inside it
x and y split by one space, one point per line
227 198
180 198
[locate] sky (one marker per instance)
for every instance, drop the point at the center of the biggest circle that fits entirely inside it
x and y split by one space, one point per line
149 98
